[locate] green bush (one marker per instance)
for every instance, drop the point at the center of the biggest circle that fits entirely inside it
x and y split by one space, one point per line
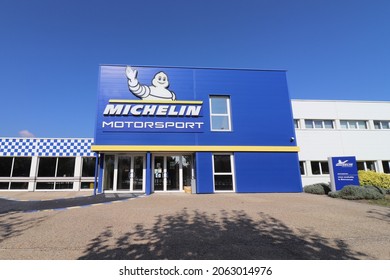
357 192
320 188
372 178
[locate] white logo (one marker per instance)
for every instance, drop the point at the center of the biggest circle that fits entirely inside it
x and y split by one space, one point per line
344 163
157 91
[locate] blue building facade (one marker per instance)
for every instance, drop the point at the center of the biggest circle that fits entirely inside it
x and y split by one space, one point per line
192 129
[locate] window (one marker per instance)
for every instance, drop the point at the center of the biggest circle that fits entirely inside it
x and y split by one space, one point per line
220 113
223 172
15 166
50 167
386 166
382 124
296 124
5 166
366 165
319 167
302 167
353 124
319 124
88 167
56 167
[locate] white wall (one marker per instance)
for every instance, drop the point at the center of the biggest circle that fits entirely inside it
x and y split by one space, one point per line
319 144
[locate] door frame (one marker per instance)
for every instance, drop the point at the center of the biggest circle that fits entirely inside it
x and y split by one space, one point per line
165 155
115 175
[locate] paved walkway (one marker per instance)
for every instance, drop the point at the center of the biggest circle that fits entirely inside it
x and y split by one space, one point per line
185 226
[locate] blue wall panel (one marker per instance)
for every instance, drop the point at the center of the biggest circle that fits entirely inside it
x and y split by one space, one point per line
267 172
204 173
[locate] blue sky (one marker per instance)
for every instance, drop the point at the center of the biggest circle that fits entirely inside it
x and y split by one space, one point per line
50 50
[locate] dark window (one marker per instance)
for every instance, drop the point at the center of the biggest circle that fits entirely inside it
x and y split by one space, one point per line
223 182
64 186
45 186
319 167
88 167
222 164
4 185
22 167
47 167
65 167
386 166
19 186
302 167
5 166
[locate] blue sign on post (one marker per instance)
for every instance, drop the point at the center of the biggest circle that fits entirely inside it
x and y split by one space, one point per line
343 172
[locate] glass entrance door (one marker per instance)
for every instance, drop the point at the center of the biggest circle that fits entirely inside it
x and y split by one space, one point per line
124 172
172 173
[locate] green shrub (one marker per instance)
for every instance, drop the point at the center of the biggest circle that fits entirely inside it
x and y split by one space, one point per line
372 178
357 192
320 188
334 194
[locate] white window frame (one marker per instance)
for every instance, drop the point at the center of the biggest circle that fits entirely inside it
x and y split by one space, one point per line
232 172
304 167
356 122
381 124
297 124
322 124
320 167
228 114
365 165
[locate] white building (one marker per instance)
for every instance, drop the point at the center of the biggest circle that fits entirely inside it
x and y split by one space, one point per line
326 128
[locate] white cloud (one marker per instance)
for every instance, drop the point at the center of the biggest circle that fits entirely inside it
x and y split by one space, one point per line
26 133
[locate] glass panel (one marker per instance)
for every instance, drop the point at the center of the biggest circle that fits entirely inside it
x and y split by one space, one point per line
64 185
302 167
315 168
377 124
309 124
4 185
324 167
222 164
138 173
328 124
385 125
187 170
220 123
45 186
223 182
47 167
296 123
386 166
108 181
158 173
22 167
5 166
318 124
352 125
360 165
173 168
362 124
88 167
87 185
124 164
19 186
219 105
343 125
371 165
66 167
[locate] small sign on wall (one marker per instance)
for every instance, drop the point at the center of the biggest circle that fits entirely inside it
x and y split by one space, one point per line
343 172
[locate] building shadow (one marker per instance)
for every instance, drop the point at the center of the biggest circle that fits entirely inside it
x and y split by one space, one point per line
197 235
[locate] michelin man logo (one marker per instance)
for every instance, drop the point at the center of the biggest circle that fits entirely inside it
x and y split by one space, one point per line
157 91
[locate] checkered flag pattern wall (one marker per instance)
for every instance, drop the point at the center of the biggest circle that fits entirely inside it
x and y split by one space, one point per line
46 147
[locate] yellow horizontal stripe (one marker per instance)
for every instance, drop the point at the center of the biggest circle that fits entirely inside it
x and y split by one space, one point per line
126 101
120 148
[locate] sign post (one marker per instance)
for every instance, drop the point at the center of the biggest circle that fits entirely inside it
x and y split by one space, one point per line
343 172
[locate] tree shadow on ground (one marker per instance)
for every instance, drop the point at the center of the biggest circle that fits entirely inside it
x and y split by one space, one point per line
14 224
382 214
226 235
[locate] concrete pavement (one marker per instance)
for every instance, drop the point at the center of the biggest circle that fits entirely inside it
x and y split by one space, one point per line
185 226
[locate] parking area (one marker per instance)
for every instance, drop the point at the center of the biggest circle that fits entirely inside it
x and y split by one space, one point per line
70 225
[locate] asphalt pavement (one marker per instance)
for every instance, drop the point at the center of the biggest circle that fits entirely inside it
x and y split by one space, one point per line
77 225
